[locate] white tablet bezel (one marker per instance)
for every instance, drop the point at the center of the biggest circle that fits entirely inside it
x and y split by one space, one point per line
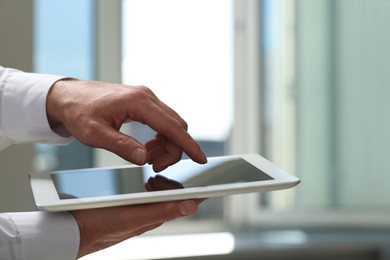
46 196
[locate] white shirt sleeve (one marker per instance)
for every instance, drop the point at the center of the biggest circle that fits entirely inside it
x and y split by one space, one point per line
23 108
38 236
32 235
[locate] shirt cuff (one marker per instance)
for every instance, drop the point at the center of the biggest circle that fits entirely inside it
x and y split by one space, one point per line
23 108
46 235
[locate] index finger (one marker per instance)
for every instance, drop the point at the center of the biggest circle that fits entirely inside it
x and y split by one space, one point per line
169 124
180 137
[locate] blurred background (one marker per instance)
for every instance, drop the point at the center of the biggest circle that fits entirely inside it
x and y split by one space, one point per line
304 83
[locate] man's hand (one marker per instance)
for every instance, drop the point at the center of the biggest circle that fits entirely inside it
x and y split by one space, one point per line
104 227
93 112
101 228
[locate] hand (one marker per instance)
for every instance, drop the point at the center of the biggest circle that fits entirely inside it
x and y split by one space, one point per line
104 227
101 228
93 112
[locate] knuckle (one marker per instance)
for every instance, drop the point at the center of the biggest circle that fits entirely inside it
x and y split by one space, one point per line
165 214
118 141
185 125
176 125
140 94
163 218
89 128
179 124
143 90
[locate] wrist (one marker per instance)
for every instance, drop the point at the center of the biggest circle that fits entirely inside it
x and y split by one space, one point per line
54 109
85 244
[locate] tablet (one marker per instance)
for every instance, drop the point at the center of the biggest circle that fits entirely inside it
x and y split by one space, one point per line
131 184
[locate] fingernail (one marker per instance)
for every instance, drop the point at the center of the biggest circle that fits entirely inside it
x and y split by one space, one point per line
187 207
204 158
138 156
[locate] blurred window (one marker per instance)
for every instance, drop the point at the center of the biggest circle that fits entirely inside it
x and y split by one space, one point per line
64 44
304 83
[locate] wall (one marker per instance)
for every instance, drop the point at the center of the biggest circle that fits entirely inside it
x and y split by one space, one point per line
16 44
343 65
362 124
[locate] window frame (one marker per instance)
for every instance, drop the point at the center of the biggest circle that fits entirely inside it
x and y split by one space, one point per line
242 210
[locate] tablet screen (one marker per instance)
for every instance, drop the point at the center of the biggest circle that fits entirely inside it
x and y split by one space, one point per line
105 182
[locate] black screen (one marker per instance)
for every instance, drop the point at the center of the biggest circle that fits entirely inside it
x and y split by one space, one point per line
103 182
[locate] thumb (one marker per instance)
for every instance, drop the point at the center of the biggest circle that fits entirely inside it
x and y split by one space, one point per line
187 207
159 213
121 144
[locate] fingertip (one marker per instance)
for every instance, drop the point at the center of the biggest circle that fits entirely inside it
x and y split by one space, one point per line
187 207
198 155
203 159
158 168
138 156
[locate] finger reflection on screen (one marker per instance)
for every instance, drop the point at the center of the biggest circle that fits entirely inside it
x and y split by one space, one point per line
159 182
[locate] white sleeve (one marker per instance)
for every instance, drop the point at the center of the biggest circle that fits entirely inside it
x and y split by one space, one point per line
31 235
23 108
38 235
